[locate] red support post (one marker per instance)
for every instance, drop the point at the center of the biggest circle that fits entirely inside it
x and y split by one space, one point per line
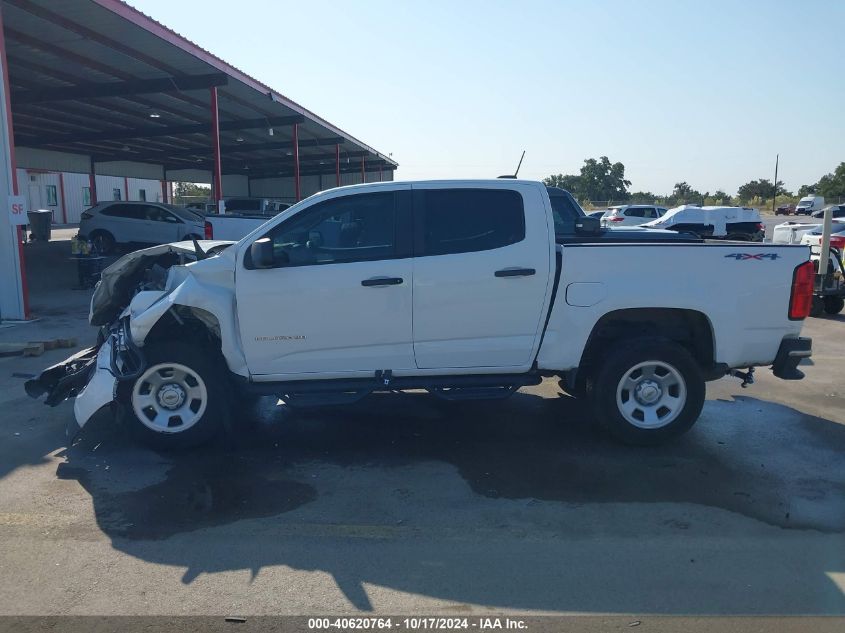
363 173
21 235
297 185
62 196
217 176
337 164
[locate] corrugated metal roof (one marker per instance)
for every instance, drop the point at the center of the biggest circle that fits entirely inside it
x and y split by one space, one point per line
54 45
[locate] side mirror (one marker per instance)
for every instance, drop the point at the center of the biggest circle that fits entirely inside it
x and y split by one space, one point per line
261 253
588 225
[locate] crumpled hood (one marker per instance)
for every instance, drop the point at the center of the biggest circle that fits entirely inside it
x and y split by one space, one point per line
118 281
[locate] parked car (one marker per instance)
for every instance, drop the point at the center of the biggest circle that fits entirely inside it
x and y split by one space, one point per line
813 238
729 223
809 204
791 232
785 209
631 215
837 211
468 289
109 224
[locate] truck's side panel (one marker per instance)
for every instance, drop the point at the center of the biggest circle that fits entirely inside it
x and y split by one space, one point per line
743 289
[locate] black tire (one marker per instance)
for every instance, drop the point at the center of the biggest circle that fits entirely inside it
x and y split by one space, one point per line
817 307
103 241
834 305
217 396
685 386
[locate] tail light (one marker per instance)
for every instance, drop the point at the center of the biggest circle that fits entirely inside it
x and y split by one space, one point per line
209 231
801 296
616 218
86 216
837 241
761 227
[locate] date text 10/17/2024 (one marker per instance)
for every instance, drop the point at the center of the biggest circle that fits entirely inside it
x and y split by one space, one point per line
416 623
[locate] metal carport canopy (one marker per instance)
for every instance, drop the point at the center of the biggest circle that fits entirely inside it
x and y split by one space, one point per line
102 81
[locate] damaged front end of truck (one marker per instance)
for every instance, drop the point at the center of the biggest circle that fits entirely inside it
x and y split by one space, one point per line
166 284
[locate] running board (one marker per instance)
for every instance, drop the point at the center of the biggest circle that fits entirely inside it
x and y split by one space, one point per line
310 393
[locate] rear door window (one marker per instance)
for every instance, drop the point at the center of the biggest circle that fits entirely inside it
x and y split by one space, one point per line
125 211
637 212
468 220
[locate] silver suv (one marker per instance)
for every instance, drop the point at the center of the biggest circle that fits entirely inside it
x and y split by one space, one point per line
631 215
111 223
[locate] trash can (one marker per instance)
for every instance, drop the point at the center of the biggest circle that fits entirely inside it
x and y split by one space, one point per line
39 224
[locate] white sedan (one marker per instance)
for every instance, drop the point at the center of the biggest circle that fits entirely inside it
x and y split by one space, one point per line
813 238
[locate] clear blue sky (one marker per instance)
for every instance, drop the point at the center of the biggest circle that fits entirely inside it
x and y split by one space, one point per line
706 92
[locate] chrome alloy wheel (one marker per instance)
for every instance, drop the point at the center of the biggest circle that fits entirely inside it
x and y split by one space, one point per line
651 394
169 398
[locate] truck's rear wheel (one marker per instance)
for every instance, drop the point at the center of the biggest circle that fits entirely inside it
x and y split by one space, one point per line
648 392
178 401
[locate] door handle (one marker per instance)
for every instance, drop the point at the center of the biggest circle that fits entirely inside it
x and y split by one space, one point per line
515 272
382 281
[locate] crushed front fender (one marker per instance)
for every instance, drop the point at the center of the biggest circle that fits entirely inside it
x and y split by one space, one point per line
100 389
65 379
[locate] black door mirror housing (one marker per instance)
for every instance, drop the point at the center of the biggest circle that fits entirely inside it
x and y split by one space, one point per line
261 253
587 225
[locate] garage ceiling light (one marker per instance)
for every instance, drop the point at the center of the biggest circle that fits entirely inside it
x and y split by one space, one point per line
155 115
240 139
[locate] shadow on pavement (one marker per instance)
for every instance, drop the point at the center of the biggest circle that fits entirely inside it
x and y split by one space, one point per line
536 464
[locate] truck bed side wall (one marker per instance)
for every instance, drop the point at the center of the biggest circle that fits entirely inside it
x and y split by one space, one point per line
743 289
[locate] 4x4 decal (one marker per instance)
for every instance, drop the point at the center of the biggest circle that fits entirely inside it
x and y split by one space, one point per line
741 257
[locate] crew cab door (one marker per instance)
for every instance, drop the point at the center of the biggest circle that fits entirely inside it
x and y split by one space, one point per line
482 276
337 301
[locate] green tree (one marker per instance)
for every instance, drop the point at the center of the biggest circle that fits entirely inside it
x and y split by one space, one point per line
721 198
833 185
762 189
191 190
683 193
569 182
642 197
807 190
603 180
599 180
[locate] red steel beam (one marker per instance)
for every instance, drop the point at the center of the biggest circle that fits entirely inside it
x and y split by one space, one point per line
297 185
217 177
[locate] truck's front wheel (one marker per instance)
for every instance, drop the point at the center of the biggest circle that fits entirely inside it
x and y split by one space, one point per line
178 401
648 391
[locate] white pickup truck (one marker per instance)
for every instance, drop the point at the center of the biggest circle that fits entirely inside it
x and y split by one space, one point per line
469 289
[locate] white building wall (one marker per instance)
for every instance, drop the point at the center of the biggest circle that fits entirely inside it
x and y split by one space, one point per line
75 186
43 190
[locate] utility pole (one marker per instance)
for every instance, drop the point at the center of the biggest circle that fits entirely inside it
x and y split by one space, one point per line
775 196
